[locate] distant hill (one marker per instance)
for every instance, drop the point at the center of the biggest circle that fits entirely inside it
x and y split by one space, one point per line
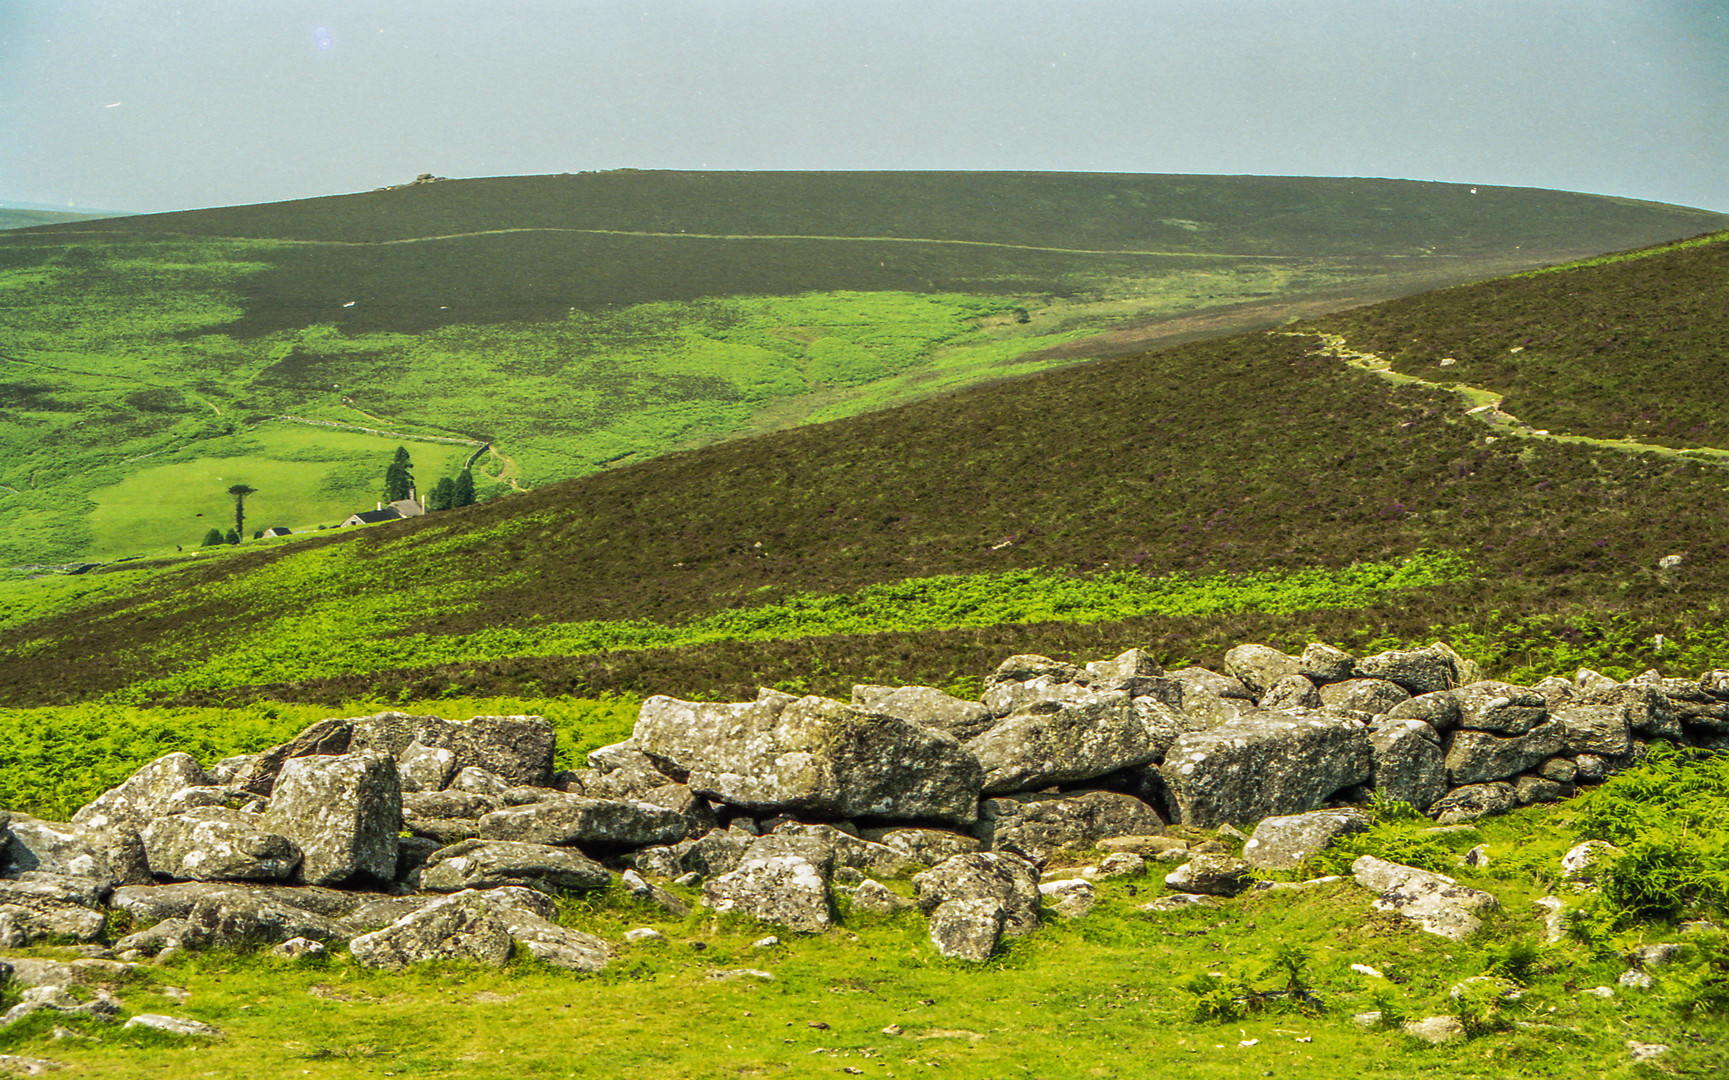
557 326
799 553
26 217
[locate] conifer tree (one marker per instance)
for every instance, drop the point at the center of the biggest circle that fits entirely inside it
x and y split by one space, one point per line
464 494
399 477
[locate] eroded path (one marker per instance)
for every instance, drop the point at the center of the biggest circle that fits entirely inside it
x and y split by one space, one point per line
1487 406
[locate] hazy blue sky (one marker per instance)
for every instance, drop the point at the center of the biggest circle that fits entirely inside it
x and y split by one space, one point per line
146 105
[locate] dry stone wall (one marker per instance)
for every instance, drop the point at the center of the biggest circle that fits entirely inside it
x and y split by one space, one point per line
416 837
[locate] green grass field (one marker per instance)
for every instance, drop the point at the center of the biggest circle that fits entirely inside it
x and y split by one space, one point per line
584 322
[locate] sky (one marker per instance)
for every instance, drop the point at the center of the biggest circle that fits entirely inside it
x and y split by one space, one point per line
140 105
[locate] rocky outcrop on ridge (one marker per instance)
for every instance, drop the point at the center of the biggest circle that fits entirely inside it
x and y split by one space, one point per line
411 838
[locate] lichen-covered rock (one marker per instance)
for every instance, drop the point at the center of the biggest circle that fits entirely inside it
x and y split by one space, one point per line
1039 826
1134 672
967 929
1374 696
1065 742
1324 663
1440 710
926 847
1007 881
326 737
1534 789
344 813
426 768
485 864
813 755
1409 766
1500 707
828 848
518 749
782 889
926 706
1583 862
1418 671
1005 698
113 856
1283 843
1262 765
1292 692
874 897
609 824
47 906
215 844
1433 901
1474 757
1595 729
1024 667
1258 667
460 927
1474 801
1211 875
143 796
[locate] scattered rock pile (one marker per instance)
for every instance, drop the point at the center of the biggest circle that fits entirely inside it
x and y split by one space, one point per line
415 837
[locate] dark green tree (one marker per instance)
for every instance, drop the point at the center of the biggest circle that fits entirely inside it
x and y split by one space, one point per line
399 477
240 491
233 537
464 494
442 495
212 538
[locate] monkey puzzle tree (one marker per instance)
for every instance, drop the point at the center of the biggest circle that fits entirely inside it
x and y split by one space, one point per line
240 491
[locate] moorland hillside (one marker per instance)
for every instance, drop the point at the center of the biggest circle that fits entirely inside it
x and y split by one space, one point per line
1044 514
558 326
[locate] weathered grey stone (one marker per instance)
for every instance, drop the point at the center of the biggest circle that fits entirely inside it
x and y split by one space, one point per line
1005 698
144 795
226 913
814 755
1418 671
1284 843
174 1025
1583 862
1434 1029
1325 664
258 776
1065 743
1440 709
698 814
1039 826
781 889
114 856
426 768
475 780
653 894
460 927
1648 712
1716 683
1500 708
1474 801
1211 875
967 929
48 907
1070 898
529 920
344 813
1262 765
449 804
1593 767
926 706
1118 864
1408 763
874 897
1477 756
518 749
30 971
484 864
1561 770
1026 667
296 948
925 847
1258 667
1009 882
830 848
1134 672
1556 692
610 824
1198 680
215 844
1373 696
1528 790
1292 692
1435 902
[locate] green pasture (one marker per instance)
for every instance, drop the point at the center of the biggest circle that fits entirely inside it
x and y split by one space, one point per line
305 477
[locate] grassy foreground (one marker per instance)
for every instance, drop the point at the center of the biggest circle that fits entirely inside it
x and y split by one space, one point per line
1116 993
